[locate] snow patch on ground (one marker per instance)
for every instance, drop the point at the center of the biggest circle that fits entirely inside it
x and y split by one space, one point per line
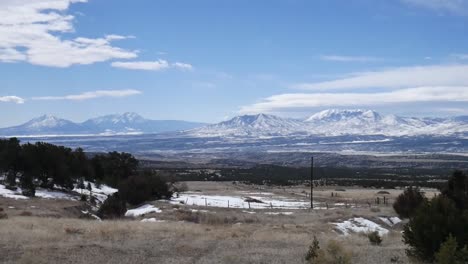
360 225
142 210
201 211
47 194
152 220
390 221
92 215
11 194
279 213
100 193
239 201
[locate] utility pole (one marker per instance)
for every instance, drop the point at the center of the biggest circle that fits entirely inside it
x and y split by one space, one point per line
312 182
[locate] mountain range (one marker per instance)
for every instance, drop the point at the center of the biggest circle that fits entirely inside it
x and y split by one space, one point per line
334 122
331 122
124 124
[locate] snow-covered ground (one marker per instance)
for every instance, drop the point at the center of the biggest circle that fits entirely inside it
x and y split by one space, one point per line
390 221
234 201
11 194
142 210
47 194
279 213
360 225
152 220
100 193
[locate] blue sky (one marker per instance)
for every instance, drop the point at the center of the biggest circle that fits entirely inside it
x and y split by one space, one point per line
210 60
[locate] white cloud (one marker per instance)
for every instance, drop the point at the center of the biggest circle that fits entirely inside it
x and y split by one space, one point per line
285 102
459 7
460 56
12 99
31 31
182 66
142 65
439 75
339 58
151 65
91 95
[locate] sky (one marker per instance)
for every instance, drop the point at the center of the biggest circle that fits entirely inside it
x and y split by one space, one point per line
210 60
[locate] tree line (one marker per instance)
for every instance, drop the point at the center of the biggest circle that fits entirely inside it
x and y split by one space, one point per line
49 166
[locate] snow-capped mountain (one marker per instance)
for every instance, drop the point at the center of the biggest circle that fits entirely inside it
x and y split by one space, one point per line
367 122
127 123
250 125
334 122
42 125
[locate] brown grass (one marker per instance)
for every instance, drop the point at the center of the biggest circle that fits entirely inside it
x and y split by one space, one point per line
50 240
217 236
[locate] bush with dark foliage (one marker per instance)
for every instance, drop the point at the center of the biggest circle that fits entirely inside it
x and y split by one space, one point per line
457 189
437 220
375 238
406 203
143 187
113 207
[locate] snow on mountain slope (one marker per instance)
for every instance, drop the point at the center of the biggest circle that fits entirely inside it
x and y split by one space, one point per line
127 123
334 122
45 124
251 125
367 122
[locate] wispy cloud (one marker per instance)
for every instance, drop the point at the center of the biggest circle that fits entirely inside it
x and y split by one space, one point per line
91 95
32 31
460 56
292 101
459 7
12 99
151 65
439 75
339 58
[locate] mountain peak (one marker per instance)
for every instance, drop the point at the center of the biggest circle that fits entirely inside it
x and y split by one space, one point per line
334 115
46 121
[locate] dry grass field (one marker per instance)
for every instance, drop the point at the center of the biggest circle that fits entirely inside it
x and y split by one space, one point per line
50 232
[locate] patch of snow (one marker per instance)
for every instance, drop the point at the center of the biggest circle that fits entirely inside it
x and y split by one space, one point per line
390 221
47 194
201 211
239 202
360 225
152 220
279 213
11 207
142 210
249 212
92 215
11 194
100 193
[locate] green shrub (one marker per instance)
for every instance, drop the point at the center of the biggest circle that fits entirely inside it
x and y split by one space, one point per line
375 238
313 251
113 207
406 203
144 187
457 190
334 253
449 252
430 226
